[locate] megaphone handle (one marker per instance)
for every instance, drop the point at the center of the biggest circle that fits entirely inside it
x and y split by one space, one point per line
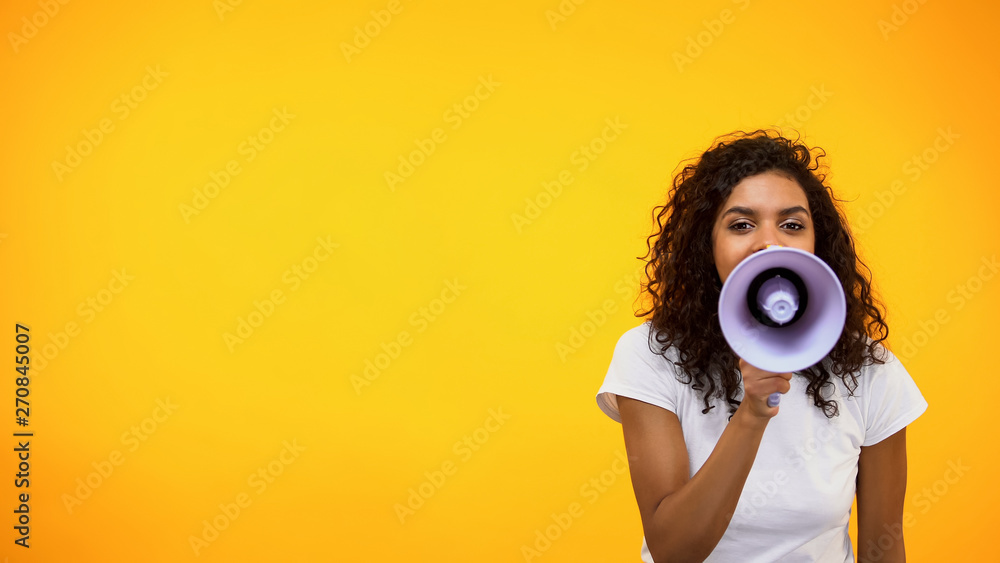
774 399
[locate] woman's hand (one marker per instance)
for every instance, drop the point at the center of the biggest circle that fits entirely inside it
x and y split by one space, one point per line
758 386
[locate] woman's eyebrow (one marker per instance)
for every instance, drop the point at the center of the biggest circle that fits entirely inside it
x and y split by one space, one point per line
740 210
793 210
737 210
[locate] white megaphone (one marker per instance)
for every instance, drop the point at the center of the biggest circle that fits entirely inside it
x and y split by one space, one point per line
782 310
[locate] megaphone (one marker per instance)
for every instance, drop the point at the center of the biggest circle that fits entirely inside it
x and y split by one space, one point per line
782 310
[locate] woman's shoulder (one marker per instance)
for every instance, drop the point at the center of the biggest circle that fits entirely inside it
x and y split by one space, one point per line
642 341
878 351
639 369
887 394
879 360
881 376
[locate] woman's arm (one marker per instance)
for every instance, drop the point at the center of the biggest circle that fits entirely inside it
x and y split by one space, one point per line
881 490
684 518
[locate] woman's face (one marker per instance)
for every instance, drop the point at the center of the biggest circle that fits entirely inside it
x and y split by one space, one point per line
762 210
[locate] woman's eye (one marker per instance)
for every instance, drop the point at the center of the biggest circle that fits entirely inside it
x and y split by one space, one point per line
794 226
741 226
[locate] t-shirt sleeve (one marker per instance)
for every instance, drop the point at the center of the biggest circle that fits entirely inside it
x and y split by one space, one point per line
893 400
637 373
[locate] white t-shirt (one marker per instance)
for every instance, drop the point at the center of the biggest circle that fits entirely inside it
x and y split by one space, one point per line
796 503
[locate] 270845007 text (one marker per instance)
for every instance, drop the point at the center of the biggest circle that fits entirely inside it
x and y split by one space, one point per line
23 449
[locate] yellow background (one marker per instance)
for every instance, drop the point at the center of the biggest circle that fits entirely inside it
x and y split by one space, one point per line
874 97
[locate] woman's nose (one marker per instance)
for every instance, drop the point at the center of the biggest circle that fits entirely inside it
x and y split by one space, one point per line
766 237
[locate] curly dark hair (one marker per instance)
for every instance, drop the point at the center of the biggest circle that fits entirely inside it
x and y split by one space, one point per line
682 284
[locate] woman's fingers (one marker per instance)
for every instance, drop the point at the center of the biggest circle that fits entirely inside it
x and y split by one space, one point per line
764 387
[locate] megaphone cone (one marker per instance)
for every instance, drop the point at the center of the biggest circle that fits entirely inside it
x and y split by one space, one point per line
782 309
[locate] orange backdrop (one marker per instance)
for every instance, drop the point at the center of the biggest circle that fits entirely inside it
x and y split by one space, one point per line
338 281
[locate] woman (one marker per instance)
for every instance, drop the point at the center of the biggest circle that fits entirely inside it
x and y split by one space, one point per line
718 474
